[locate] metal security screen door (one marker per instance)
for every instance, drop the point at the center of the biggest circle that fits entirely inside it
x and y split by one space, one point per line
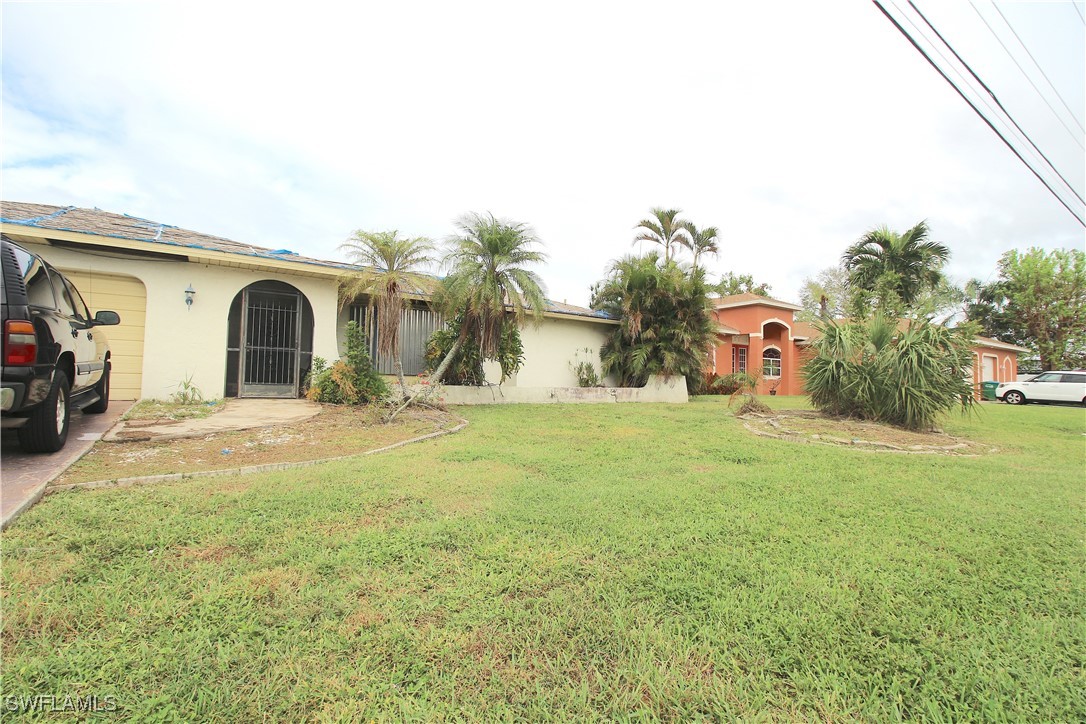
270 349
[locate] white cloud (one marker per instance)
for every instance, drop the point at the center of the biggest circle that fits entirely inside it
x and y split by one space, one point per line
792 127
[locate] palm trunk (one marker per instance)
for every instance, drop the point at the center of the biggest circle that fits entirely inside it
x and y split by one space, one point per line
436 378
399 371
439 373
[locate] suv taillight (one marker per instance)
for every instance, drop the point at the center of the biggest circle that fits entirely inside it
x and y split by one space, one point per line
20 344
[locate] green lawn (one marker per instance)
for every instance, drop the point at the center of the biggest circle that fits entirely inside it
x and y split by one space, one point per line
575 562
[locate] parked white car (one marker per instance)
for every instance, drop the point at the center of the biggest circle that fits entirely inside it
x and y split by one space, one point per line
1055 386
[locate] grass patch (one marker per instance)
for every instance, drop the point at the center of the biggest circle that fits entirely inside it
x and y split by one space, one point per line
574 562
164 410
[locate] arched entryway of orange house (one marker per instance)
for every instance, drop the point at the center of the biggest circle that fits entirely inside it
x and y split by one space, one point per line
775 358
269 346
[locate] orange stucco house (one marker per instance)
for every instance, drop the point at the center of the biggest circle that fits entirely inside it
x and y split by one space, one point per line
761 333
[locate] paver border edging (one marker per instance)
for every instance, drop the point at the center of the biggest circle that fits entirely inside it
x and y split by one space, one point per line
267 467
42 488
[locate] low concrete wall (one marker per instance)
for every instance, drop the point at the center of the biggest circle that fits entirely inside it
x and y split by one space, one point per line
658 389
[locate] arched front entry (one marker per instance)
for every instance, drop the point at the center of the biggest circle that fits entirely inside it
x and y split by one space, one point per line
269 341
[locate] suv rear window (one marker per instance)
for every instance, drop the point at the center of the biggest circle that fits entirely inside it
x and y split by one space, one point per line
1076 379
39 292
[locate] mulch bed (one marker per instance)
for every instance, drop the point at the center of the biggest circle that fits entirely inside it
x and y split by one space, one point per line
806 426
336 431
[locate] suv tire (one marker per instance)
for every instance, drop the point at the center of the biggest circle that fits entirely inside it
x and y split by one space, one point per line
1014 397
47 428
102 390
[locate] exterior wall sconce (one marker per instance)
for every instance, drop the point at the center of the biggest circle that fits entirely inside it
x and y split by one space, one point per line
189 294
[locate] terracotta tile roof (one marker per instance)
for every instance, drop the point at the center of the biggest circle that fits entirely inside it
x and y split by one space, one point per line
804 329
106 224
997 344
747 298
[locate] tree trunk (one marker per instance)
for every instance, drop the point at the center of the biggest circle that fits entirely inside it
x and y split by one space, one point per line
439 373
436 378
399 371
824 307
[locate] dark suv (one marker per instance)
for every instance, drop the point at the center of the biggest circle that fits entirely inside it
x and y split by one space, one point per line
55 359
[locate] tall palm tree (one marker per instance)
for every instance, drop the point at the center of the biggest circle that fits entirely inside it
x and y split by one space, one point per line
488 282
703 241
390 266
665 229
906 264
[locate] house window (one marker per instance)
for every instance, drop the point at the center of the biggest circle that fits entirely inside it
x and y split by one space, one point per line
771 363
739 359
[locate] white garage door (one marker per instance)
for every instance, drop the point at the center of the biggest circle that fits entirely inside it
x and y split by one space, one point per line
127 297
989 369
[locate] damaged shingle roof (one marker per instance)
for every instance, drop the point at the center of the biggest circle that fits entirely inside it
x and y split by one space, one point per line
107 224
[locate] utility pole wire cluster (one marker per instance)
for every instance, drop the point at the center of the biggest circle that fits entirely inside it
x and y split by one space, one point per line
1012 135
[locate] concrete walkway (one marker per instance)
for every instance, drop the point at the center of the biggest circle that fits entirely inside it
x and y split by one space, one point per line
238 414
25 475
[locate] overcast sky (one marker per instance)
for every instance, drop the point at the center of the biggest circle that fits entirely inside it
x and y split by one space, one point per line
792 126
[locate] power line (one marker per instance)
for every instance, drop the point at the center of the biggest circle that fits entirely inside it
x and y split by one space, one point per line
976 110
993 109
1078 12
1043 74
1026 75
996 99
948 63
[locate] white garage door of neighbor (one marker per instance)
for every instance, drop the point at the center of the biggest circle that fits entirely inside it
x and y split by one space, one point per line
127 297
989 369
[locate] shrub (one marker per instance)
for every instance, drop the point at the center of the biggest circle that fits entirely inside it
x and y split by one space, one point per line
665 326
467 367
730 384
586 373
350 381
871 370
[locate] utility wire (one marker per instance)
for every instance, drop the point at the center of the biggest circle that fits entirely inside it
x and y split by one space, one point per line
976 110
1078 12
1026 75
1043 74
965 81
947 63
994 98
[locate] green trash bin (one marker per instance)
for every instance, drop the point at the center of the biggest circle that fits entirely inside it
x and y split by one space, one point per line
988 390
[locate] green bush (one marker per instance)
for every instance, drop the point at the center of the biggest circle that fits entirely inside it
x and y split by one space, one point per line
586 373
467 367
665 322
350 381
872 370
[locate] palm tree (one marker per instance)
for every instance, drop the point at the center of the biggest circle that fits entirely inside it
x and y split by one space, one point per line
390 266
702 241
665 323
665 229
489 283
906 264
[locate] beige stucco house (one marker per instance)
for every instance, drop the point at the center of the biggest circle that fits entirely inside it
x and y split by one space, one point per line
234 319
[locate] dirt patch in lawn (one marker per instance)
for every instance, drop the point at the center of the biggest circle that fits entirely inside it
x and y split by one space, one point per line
810 426
334 431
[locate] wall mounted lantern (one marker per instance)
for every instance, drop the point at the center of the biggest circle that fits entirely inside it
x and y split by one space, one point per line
189 294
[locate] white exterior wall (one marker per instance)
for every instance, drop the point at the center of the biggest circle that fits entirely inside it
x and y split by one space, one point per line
552 349
182 342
